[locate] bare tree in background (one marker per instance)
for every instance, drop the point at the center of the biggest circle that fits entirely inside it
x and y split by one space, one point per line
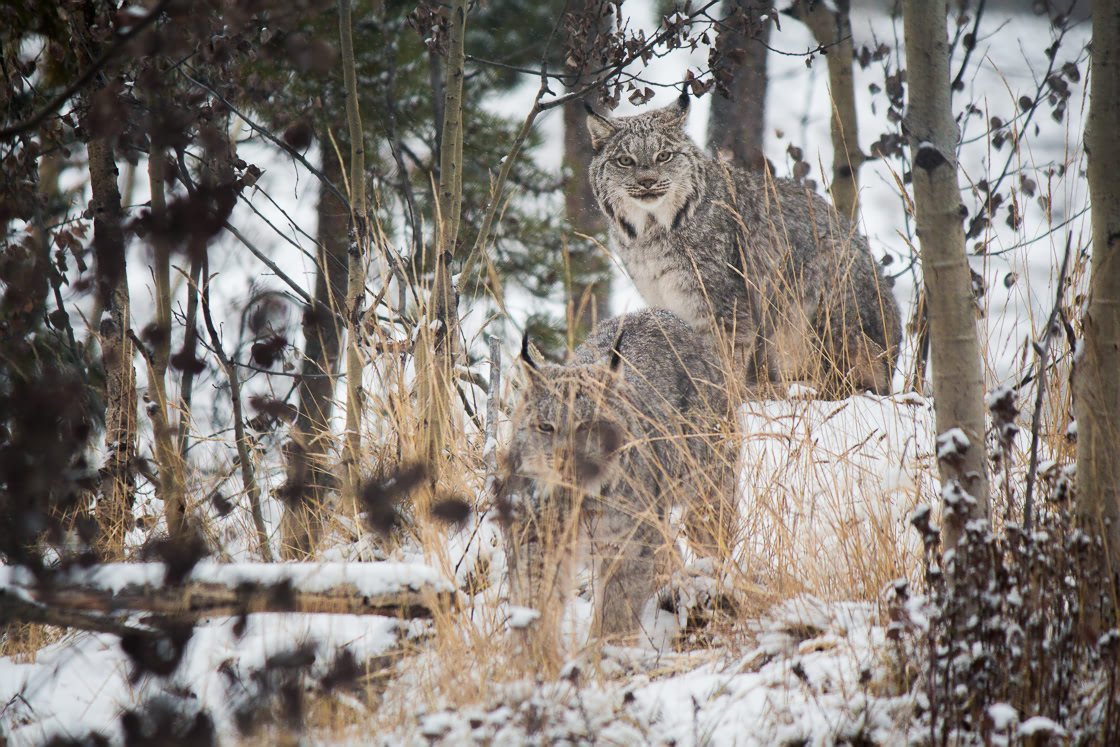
309 451
1097 369
958 384
118 480
437 383
588 300
738 117
833 31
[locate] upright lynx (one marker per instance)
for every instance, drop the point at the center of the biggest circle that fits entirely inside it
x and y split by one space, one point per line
762 262
601 449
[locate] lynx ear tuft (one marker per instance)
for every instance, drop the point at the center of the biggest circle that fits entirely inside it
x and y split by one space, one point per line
676 113
526 356
616 354
599 126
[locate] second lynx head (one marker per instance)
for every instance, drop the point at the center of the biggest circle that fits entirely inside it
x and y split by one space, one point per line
571 425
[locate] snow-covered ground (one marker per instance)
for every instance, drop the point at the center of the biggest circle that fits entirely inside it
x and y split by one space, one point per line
826 488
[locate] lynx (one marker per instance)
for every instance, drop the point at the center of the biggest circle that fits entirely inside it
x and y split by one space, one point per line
601 449
761 262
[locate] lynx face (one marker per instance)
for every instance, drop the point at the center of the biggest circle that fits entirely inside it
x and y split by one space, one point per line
645 167
566 432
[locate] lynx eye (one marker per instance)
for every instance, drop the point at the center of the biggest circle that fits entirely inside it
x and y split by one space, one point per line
665 156
626 161
544 427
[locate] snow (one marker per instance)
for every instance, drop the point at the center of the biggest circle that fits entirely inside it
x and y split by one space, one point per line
522 617
826 483
801 391
1041 726
952 443
82 683
816 692
1003 716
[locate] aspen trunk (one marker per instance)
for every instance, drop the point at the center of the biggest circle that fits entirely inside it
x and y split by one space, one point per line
168 459
738 121
358 236
958 384
437 387
834 30
1097 368
118 481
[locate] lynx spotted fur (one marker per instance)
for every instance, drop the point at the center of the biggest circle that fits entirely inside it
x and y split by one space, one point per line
601 449
764 262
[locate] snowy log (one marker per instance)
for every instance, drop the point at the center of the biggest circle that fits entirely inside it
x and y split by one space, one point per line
214 590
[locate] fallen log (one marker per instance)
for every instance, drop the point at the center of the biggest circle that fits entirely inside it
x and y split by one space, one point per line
225 589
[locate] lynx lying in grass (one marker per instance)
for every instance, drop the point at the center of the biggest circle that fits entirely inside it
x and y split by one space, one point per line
601 449
764 263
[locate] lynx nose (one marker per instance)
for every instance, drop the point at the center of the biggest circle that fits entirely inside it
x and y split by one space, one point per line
647 182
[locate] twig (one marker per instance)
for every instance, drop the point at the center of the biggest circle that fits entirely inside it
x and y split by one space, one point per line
968 48
276 269
1043 349
490 446
248 476
272 139
94 67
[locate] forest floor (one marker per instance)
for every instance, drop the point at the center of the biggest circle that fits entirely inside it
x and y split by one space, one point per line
831 487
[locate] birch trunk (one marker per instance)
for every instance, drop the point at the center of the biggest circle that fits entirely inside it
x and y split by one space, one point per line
958 384
1097 367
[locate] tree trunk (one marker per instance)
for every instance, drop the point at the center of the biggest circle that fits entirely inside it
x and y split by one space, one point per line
590 269
358 244
118 483
309 455
834 30
738 119
1097 368
190 345
438 383
958 384
168 458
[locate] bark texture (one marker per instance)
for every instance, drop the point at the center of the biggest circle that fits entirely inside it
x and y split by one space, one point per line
958 384
309 451
118 479
1097 368
358 244
590 286
168 459
833 29
438 384
737 121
